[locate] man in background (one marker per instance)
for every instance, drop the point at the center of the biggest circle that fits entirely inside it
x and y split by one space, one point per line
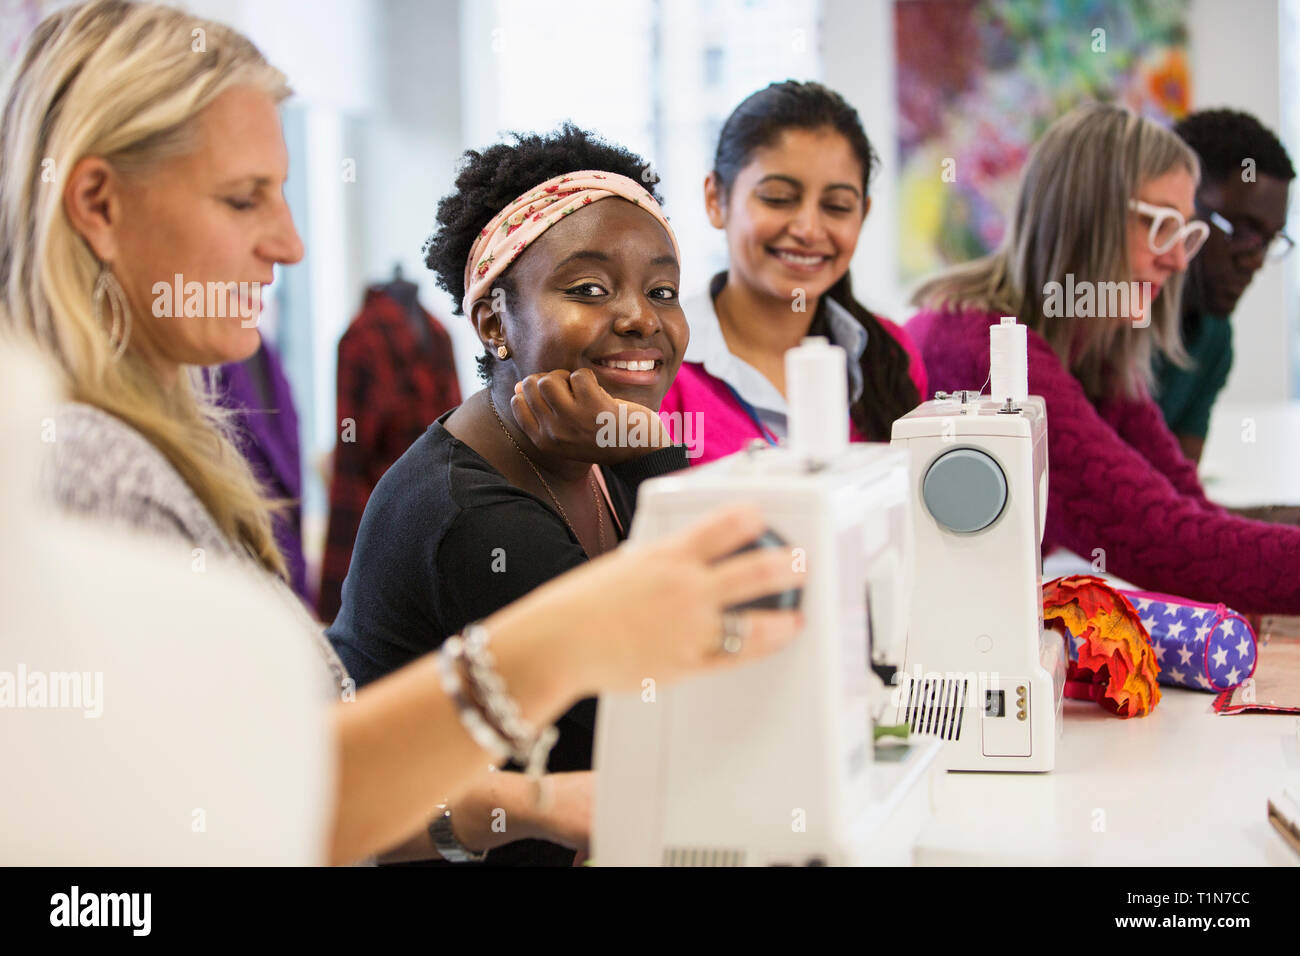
1245 183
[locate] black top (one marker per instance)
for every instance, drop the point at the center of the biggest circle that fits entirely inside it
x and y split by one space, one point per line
447 540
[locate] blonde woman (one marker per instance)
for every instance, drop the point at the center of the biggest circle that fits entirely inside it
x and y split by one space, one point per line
131 156
1092 263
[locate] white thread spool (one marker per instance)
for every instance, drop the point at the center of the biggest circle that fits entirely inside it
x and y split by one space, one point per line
817 389
1008 360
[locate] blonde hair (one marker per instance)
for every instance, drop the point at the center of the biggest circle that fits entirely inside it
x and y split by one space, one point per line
125 82
1071 217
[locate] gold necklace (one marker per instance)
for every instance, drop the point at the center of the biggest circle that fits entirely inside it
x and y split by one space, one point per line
600 518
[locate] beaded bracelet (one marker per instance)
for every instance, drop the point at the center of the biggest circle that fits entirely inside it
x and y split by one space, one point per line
531 748
484 734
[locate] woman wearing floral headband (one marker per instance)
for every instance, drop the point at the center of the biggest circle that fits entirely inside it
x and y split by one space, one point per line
569 272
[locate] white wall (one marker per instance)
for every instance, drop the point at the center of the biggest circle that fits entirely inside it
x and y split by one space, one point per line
858 62
1236 62
409 146
325 47
378 86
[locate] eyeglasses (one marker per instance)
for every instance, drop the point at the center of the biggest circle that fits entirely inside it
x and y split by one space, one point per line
1246 236
1168 228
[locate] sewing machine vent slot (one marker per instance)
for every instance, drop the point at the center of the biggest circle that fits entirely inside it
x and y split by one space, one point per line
935 707
702 856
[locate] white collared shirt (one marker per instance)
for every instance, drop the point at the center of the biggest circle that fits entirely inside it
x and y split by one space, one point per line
708 347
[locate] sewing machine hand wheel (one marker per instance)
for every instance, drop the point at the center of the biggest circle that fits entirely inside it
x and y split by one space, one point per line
781 600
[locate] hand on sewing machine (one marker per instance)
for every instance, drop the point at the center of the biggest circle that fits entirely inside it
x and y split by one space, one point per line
657 609
503 808
569 414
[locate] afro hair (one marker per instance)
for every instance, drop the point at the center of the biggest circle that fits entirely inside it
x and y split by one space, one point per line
1223 138
490 180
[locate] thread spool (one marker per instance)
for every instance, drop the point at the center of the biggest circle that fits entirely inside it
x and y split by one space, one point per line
1008 360
816 382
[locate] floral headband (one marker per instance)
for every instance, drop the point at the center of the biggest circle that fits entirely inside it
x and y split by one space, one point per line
514 228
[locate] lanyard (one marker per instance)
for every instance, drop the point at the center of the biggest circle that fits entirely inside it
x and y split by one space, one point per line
753 415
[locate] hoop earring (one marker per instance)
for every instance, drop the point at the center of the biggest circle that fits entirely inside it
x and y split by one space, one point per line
107 287
502 352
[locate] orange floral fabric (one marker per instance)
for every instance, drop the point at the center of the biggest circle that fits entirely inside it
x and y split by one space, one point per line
1113 649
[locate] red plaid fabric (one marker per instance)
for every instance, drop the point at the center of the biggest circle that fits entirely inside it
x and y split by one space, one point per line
391 387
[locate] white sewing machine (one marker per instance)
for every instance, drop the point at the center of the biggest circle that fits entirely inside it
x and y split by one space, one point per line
774 762
981 673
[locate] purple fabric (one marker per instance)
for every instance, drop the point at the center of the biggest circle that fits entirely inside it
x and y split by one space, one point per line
268 439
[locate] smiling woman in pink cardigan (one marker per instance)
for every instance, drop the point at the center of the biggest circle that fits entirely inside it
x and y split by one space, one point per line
789 187
1105 199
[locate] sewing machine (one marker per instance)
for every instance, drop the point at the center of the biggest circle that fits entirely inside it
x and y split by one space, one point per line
774 762
981 673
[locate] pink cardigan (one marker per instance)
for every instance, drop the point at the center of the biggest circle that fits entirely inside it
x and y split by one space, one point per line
1119 482
721 425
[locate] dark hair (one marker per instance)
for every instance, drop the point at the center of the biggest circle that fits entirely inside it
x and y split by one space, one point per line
490 180
888 391
1223 138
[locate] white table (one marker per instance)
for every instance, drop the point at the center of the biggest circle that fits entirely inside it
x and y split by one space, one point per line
1182 786
1252 454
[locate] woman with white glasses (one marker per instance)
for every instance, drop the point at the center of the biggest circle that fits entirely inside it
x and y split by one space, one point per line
1092 263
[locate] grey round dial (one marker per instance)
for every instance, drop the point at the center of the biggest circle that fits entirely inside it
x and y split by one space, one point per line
965 490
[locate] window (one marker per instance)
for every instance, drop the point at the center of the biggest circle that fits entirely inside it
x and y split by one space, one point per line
659 78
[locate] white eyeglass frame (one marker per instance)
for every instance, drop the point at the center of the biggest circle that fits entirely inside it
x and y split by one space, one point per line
1158 215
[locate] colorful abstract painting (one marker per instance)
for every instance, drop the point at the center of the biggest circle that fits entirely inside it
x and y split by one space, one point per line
979 81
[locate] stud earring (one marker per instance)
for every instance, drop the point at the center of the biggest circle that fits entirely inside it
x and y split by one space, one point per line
502 352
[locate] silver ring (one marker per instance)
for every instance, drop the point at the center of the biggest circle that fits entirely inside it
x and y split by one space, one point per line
735 628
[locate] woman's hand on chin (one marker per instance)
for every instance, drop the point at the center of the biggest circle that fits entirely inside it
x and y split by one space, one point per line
569 414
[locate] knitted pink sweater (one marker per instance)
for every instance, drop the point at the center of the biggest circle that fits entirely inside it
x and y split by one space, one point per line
1118 481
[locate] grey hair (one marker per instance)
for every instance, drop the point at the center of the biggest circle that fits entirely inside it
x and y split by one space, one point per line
1071 217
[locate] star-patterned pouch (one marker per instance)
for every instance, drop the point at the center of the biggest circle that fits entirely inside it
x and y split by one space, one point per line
1201 646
